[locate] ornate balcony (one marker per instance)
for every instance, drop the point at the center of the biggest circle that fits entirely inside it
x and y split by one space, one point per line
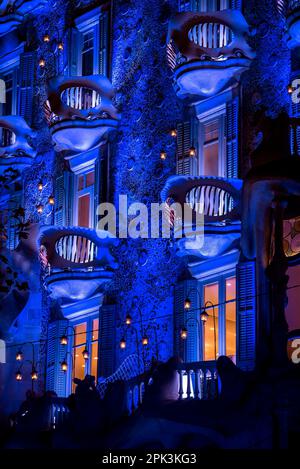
218 201
12 13
293 21
15 143
80 112
207 51
77 261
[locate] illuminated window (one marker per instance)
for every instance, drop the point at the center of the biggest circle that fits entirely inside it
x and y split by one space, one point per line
84 205
220 328
86 336
211 159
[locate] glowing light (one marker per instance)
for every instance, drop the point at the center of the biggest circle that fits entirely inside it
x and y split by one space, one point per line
46 38
128 320
40 208
42 63
51 200
187 303
145 340
173 133
34 374
183 333
19 376
192 151
64 366
123 343
163 155
64 340
19 356
86 354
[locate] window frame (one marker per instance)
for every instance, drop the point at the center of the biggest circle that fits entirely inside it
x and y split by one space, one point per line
90 190
88 320
14 71
218 114
89 23
221 280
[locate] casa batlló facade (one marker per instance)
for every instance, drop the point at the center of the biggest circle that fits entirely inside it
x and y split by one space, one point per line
185 102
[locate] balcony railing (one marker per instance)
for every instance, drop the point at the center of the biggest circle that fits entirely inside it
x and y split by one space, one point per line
198 381
80 112
78 97
206 51
211 35
16 149
76 260
218 199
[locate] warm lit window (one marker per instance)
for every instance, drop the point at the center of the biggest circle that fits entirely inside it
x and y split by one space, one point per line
220 328
211 159
84 205
85 337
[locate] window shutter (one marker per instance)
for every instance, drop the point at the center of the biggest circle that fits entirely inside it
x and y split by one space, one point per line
103 43
184 142
235 4
188 349
59 201
26 88
68 193
56 379
107 340
246 309
296 131
231 130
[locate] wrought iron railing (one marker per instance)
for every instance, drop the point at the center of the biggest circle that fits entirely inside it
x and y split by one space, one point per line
211 35
81 98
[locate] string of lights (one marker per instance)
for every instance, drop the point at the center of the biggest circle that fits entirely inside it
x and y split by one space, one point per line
190 310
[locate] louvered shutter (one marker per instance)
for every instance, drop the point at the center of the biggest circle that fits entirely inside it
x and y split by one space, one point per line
59 200
107 340
185 163
72 51
231 129
103 43
68 196
296 131
56 379
189 349
246 309
26 88
235 4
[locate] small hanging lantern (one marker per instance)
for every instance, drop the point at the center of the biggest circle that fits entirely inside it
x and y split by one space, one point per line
192 151
40 186
46 38
123 343
19 375
19 356
42 63
34 374
86 354
173 133
64 340
163 155
64 366
51 200
145 340
128 320
40 208
60 46
183 333
187 303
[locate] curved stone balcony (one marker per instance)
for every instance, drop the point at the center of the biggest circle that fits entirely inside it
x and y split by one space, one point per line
293 22
207 51
76 260
80 112
16 150
12 12
218 201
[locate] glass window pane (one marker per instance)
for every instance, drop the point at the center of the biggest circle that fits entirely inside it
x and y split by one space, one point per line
211 131
88 63
94 359
90 179
79 364
80 183
84 210
211 330
80 334
211 159
95 334
230 311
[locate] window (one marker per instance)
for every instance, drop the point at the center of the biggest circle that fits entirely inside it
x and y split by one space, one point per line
87 53
220 328
84 203
203 5
91 53
85 336
211 161
11 83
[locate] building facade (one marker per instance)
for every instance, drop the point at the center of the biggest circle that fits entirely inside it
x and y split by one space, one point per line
165 102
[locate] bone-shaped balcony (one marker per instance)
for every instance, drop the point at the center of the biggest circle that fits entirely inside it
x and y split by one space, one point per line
207 51
80 112
217 200
12 13
293 21
16 149
77 261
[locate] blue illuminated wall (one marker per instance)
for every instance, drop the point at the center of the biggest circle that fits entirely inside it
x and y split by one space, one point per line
145 97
